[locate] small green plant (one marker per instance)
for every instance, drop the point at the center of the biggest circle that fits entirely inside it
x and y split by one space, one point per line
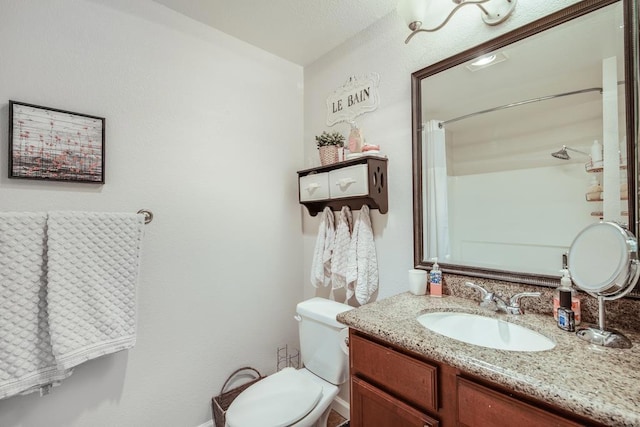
326 139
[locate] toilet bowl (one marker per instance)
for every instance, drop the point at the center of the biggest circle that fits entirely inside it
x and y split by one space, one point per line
300 397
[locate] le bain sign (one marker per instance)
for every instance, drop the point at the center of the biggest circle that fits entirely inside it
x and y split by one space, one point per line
357 96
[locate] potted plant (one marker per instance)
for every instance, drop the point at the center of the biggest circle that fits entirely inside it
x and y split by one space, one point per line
328 145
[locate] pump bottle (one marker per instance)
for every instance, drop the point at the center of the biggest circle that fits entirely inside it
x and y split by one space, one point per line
566 286
435 280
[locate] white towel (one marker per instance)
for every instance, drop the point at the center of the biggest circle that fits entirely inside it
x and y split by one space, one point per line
339 260
26 359
362 269
94 260
321 263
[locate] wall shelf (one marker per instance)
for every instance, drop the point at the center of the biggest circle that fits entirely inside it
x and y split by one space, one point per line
591 168
354 183
600 214
598 198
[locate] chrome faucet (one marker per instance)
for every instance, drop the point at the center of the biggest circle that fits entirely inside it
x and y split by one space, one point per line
494 302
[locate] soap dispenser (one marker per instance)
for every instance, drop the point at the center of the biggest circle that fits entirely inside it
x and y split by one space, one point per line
435 280
566 287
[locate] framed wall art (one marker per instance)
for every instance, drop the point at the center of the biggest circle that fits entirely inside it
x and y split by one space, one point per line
55 145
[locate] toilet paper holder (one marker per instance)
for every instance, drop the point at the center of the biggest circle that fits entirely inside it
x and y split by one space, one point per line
287 358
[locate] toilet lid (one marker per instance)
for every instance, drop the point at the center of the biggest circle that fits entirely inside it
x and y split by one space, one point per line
279 400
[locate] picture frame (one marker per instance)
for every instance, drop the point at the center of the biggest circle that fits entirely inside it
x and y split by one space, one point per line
55 145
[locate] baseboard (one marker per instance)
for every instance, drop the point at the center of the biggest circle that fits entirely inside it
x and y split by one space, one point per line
207 424
341 406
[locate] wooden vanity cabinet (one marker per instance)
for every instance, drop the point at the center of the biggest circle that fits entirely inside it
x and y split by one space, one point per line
371 406
392 387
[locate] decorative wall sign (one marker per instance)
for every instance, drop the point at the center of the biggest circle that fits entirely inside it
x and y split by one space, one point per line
55 145
357 96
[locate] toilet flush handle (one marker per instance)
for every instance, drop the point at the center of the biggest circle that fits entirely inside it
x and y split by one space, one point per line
298 318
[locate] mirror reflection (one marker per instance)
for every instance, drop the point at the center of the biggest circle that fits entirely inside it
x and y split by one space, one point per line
523 145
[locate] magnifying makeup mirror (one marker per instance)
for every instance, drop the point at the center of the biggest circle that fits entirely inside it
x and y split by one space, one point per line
603 260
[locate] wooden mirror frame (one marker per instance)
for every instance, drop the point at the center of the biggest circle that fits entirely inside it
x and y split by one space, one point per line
630 10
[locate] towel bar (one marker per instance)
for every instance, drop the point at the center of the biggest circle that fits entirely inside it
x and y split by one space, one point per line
148 215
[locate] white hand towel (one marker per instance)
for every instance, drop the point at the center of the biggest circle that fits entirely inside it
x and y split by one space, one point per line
26 359
94 259
339 261
321 263
362 269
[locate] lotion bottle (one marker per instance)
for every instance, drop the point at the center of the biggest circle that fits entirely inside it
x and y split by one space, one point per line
566 286
435 280
566 316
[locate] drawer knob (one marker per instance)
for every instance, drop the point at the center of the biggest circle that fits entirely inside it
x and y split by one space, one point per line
345 182
312 187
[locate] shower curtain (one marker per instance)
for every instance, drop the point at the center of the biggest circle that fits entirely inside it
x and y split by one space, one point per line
436 221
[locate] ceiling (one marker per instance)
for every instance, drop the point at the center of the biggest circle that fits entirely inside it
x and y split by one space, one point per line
299 31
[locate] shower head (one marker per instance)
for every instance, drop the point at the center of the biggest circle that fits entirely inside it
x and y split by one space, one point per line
563 155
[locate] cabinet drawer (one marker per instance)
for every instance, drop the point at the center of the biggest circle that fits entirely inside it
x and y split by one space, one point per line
371 407
314 187
403 376
481 406
348 182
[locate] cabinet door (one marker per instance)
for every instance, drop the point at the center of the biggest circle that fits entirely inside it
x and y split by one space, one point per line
479 406
371 407
412 380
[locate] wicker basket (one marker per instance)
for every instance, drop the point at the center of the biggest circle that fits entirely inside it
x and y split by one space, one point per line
328 154
221 403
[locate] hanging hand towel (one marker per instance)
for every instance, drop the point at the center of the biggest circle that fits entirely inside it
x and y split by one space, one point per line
94 260
362 269
339 260
26 359
321 263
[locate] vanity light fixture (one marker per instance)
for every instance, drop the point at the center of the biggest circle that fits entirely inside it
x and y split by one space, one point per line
493 12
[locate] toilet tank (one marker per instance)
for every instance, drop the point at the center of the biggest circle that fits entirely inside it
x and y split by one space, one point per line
320 339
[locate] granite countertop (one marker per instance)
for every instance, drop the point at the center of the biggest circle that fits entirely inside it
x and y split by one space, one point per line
599 383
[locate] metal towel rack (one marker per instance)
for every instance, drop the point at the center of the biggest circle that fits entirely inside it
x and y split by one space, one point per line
148 215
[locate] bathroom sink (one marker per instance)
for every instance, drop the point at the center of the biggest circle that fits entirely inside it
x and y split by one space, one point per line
485 331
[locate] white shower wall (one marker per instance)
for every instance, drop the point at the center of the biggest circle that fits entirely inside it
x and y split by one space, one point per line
493 224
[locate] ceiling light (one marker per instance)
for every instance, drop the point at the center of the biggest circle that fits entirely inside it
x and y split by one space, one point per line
487 61
493 12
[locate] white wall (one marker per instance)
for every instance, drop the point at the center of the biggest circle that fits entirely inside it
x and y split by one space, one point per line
193 134
380 48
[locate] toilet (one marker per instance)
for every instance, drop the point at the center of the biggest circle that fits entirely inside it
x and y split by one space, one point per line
300 397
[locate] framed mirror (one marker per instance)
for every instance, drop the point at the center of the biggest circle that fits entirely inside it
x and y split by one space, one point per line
514 157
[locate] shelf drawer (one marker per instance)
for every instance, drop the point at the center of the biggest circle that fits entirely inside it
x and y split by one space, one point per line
412 380
348 182
314 187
